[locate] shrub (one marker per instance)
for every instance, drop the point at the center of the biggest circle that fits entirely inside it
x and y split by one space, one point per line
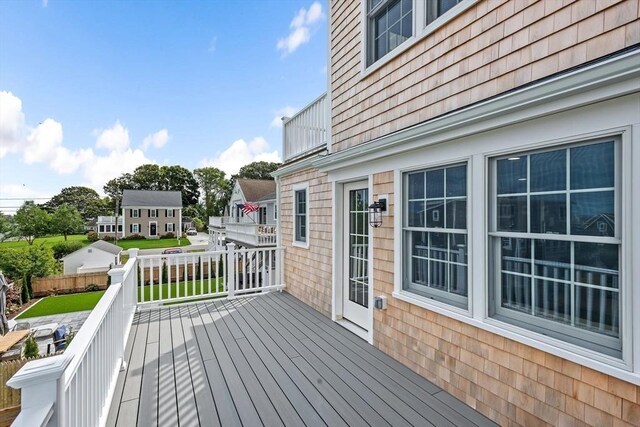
169 235
62 249
31 348
92 288
92 236
134 237
184 236
108 238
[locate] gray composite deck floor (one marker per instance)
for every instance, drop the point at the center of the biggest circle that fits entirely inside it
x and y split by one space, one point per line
268 360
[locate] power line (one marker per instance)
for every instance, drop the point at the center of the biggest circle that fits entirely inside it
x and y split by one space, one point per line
25 198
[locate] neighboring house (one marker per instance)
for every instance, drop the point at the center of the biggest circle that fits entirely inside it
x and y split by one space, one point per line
252 216
106 226
504 137
91 225
98 256
151 213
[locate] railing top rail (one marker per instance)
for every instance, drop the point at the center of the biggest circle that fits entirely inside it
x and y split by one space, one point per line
182 255
303 109
272 248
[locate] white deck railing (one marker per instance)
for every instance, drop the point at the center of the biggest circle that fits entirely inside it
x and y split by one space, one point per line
307 129
218 221
252 234
76 388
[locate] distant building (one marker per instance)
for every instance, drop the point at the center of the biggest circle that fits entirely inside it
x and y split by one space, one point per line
151 213
98 256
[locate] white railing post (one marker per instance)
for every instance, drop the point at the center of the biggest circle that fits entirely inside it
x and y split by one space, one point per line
117 276
279 263
133 292
42 392
231 270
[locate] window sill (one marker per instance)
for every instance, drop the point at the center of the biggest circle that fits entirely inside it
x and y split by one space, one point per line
301 245
615 367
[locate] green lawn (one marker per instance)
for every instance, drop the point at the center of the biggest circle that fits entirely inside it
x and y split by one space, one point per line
63 304
153 243
179 291
49 241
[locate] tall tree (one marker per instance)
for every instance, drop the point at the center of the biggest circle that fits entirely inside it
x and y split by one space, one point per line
178 178
149 177
113 188
66 220
258 170
24 263
84 199
32 221
215 188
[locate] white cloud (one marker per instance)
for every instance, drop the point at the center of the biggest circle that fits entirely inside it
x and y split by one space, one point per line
301 28
287 111
156 140
100 169
115 138
12 127
45 3
241 153
42 142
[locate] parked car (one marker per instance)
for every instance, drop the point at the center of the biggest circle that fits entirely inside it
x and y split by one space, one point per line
172 251
192 231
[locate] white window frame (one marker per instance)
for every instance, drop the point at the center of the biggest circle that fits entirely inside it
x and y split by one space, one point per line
135 228
170 227
429 294
135 213
170 213
537 323
295 189
478 202
153 213
420 31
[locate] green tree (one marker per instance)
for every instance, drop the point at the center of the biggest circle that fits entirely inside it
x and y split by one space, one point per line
196 211
113 188
31 349
7 228
86 201
258 170
178 178
215 189
32 222
27 262
149 177
66 220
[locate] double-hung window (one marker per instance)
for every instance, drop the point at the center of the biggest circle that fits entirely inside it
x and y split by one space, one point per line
555 243
437 8
390 23
153 213
135 213
135 228
300 216
169 213
435 234
169 227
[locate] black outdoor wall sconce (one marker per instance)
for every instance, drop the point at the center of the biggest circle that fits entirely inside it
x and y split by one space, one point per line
375 212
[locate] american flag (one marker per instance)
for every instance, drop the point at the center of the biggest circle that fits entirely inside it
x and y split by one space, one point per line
249 207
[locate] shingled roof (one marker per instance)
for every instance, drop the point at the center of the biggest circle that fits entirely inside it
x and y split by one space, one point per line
147 198
255 189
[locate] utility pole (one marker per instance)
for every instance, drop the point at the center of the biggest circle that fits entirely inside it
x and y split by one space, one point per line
117 218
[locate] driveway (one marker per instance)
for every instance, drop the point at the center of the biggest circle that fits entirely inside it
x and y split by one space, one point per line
198 243
201 238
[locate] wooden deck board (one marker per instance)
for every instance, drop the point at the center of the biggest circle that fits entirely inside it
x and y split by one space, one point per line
268 360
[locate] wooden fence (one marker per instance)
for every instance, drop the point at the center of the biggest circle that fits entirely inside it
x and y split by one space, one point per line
68 283
9 397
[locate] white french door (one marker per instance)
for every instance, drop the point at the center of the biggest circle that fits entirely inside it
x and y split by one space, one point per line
355 291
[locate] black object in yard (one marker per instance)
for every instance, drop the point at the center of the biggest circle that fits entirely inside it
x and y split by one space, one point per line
60 338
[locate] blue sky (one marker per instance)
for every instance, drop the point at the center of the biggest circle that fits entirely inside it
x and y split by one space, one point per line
92 89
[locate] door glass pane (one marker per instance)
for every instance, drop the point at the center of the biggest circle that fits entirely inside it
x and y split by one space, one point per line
358 247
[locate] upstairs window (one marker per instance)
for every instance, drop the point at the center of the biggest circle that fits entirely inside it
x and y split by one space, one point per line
390 23
437 8
169 213
153 213
135 213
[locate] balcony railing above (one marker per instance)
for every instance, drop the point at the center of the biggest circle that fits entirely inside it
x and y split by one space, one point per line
306 131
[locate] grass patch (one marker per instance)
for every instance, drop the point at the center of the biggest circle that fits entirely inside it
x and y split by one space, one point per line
63 304
178 289
48 241
153 243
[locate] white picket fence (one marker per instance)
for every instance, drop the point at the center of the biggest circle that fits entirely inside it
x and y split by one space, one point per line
76 388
